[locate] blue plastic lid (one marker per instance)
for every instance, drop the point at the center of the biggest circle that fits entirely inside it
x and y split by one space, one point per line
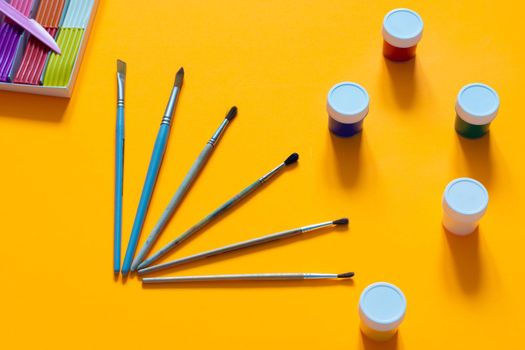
348 102
382 306
466 197
402 28
477 104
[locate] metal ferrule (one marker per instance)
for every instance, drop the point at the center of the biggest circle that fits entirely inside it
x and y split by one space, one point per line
213 140
121 80
267 176
316 226
166 119
312 276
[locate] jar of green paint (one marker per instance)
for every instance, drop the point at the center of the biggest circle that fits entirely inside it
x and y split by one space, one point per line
476 107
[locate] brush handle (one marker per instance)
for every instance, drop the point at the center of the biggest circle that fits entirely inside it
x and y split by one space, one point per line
119 178
173 204
195 228
225 249
147 191
241 277
233 277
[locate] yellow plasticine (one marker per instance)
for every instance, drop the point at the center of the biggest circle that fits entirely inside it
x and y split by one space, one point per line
59 67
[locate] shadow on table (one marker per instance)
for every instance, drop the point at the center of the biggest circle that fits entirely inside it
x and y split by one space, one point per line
477 156
466 259
403 81
32 107
348 157
368 344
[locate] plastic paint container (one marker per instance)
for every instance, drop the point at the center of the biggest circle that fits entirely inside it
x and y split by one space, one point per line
347 107
382 307
464 202
402 31
476 107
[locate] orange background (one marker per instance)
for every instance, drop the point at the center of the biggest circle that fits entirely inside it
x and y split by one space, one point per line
275 60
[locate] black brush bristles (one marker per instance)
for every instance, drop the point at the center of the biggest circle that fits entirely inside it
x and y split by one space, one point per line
346 275
343 221
294 157
179 78
232 113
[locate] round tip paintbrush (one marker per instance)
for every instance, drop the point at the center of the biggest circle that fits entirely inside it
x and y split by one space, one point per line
249 277
292 158
245 244
185 185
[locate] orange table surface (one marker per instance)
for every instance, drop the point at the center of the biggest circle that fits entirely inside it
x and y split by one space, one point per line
275 60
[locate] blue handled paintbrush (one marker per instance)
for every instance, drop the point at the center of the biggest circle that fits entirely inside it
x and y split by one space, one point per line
119 164
153 171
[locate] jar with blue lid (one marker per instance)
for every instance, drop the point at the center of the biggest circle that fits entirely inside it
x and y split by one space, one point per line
402 31
465 201
476 107
347 107
382 308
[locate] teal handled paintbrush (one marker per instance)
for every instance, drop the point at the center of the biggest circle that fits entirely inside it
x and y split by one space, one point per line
119 165
183 189
222 209
245 244
153 171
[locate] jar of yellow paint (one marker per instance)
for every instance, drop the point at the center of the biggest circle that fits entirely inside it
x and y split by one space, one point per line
382 307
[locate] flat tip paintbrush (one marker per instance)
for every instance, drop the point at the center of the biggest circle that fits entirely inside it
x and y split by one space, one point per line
153 170
119 165
121 67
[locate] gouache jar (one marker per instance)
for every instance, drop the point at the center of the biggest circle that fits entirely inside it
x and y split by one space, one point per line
382 307
465 202
347 107
476 107
402 31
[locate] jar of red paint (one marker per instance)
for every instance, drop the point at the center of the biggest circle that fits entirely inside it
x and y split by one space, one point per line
402 31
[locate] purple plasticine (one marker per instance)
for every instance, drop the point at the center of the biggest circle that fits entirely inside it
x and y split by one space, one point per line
9 39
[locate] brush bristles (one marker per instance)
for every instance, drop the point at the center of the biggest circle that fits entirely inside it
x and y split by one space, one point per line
232 113
294 157
346 275
179 77
343 221
121 67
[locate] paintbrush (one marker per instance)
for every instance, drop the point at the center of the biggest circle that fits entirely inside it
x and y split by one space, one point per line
183 189
249 277
119 164
222 209
153 171
242 245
